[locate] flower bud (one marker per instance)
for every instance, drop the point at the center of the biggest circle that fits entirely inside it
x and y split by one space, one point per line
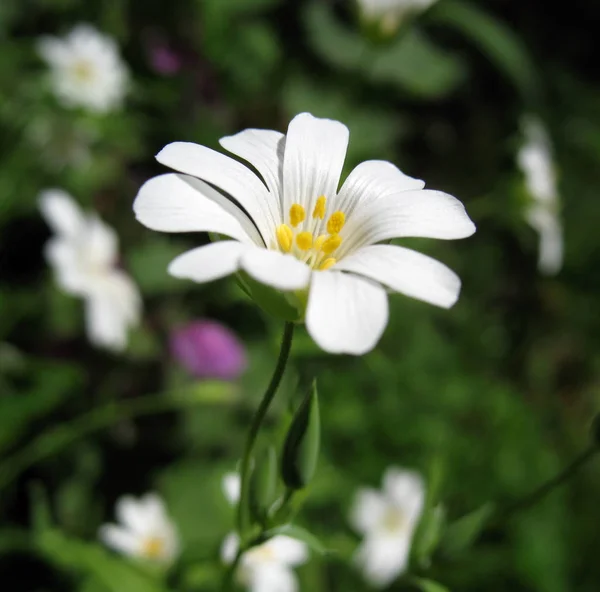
207 349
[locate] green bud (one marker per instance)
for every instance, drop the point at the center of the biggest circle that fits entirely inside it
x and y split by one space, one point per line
301 447
263 484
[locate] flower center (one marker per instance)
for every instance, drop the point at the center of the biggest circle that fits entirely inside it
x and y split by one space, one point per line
153 547
393 520
304 237
83 71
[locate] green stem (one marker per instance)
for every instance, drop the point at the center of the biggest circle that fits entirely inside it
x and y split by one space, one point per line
60 437
535 496
257 420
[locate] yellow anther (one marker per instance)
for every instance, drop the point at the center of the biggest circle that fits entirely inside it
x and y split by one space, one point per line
319 211
331 244
285 236
327 263
304 240
297 214
336 222
319 242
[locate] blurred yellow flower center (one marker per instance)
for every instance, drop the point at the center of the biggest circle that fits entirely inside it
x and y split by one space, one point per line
393 520
304 238
83 71
153 548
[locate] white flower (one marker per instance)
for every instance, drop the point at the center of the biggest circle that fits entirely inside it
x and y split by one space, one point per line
145 530
392 11
232 485
295 231
83 253
535 160
387 520
86 69
267 567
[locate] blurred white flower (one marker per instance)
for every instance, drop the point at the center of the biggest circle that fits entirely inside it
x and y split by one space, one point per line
86 69
267 567
145 530
83 253
294 231
535 160
232 486
387 520
391 13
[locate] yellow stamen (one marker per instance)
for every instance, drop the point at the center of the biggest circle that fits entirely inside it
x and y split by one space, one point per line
153 548
336 222
319 242
304 240
327 263
297 214
319 211
331 244
285 236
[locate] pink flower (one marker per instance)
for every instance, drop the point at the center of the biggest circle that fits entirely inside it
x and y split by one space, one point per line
208 349
164 60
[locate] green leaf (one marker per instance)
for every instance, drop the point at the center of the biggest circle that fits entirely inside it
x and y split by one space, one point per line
428 585
92 561
301 446
498 42
41 515
428 534
301 534
462 533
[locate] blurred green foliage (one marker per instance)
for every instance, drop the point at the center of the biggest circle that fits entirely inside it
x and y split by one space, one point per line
486 400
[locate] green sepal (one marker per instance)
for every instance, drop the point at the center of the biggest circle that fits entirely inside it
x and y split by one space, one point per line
301 446
276 303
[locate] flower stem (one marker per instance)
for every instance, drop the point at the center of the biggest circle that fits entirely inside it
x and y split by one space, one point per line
257 420
535 496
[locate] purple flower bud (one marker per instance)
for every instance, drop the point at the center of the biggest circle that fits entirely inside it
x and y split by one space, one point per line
164 60
207 349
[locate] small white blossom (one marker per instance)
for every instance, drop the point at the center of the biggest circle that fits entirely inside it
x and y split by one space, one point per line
145 531
232 487
294 230
83 253
387 520
267 567
86 69
535 160
391 13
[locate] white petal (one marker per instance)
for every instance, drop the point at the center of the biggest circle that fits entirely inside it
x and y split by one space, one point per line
113 306
275 269
100 243
229 547
428 214
383 559
373 180
130 513
345 313
53 51
230 176
367 510
63 256
119 539
272 578
406 490
263 149
231 485
547 224
180 203
315 150
61 212
210 262
287 550
406 271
